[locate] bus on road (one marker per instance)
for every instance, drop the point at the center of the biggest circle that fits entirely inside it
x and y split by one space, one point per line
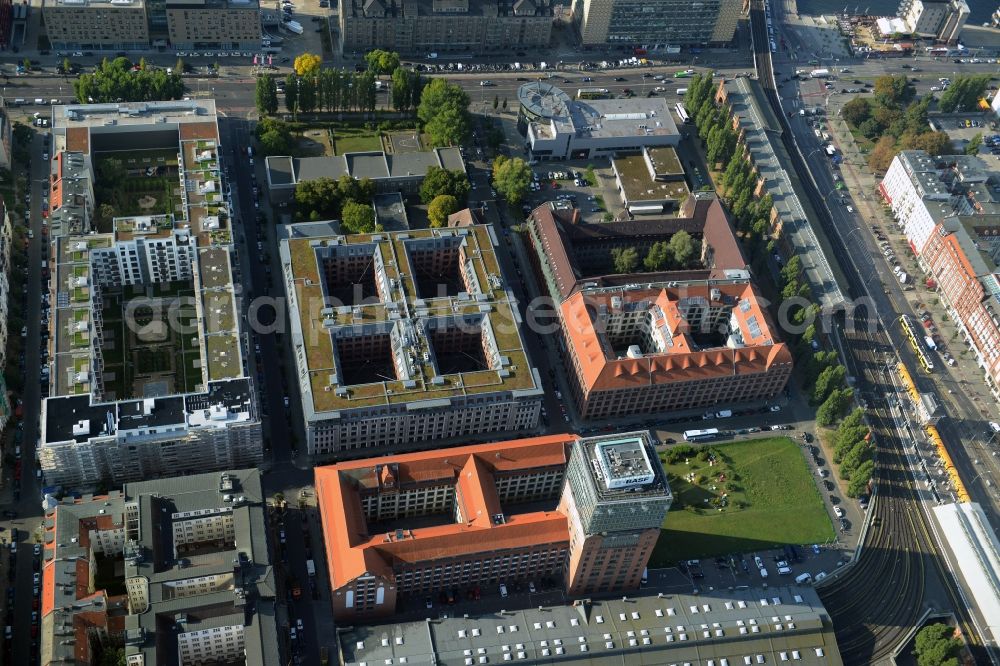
591 93
700 435
682 112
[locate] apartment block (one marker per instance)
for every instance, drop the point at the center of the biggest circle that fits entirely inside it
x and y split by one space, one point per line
421 26
6 137
96 24
404 338
198 582
687 337
146 376
217 24
660 23
962 256
490 514
923 191
6 251
941 20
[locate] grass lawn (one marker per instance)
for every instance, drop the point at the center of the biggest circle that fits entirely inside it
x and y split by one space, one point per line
356 143
772 500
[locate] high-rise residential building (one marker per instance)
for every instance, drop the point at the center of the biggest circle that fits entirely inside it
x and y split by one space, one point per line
198 582
941 20
146 376
404 338
422 26
215 24
6 250
923 190
586 511
96 24
656 24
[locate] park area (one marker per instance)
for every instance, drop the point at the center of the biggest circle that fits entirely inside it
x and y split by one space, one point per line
738 497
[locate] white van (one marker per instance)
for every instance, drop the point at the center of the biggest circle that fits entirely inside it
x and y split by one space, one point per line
763 572
645 576
802 579
503 590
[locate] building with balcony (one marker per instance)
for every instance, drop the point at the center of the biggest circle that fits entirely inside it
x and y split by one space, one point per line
656 24
6 252
586 511
923 191
198 587
557 127
146 376
404 338
962 256
414 27
940 20
96 24
216 24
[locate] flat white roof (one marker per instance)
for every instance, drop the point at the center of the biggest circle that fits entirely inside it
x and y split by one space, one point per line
977 551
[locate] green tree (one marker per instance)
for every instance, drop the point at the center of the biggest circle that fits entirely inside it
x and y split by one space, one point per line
357 218
973 146
266 95
964 93
307 94
934 143
440 208
893 90
440 181
511 178
444 111
936 645
179 67
115 80
317 199
859 479
67 66
274 136
658 257
504 104
400 90
626 259
882 154
834 406
856 111
496 102
382 62
829 379
683 248
292 93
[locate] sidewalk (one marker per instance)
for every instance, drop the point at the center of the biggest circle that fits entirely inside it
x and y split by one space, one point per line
863 186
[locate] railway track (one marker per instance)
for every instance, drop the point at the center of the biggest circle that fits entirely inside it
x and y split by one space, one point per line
879 601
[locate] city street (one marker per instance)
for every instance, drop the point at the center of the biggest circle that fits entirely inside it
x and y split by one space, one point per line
28 507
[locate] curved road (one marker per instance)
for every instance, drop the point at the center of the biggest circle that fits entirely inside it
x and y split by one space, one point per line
880 599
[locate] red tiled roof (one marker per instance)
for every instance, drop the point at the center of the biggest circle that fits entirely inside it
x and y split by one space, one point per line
352 551
683 362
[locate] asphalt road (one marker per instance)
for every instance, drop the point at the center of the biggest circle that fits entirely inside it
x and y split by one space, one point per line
28 507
